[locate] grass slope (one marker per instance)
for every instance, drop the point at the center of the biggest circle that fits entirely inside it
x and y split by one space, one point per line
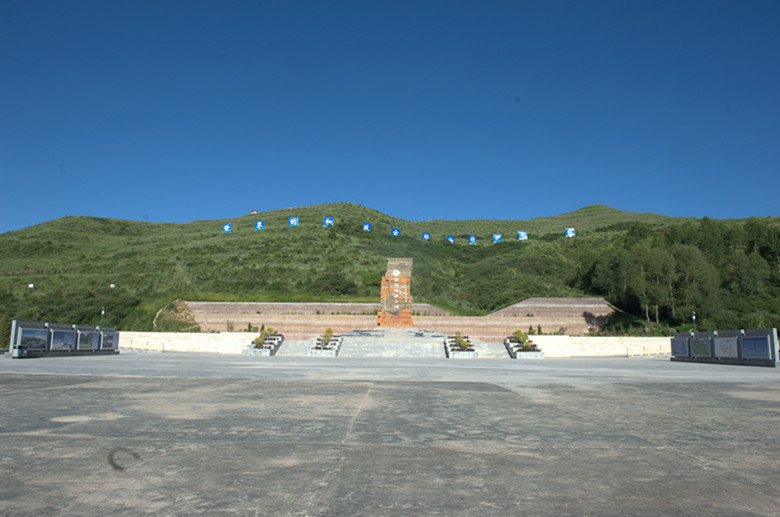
73 260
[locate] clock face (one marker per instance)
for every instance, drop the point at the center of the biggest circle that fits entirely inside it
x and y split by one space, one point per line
396 272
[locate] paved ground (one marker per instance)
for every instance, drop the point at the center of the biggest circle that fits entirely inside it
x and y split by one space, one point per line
230 435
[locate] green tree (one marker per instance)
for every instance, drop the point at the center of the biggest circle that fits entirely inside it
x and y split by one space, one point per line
747 274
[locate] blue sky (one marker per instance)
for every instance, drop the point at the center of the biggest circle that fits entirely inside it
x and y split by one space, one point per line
174 110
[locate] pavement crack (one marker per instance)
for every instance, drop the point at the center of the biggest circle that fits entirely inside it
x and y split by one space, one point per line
332 474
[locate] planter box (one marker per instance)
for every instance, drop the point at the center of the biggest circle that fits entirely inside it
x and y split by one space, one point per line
263 352
462 354
327 352
529 355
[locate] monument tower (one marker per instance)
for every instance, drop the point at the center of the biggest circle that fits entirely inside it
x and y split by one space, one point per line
396 294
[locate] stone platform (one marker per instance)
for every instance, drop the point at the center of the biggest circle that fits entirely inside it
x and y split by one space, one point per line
410 343
203 434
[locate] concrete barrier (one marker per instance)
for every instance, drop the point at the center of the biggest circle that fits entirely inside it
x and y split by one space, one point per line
552 346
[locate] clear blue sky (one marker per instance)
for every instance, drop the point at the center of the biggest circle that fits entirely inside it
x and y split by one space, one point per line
181 110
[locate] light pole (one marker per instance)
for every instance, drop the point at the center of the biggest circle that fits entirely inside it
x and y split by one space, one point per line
30 288
103 308
693 318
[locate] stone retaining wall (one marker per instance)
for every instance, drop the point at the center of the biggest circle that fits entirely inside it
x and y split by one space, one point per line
553 346
486 328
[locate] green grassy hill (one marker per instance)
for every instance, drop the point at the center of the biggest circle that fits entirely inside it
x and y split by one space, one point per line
73 260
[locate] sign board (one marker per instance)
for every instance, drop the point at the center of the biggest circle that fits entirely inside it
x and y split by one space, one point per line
259 225
756 347
700 347
498 237
31 338
395 232
367 227
109 340
451 239
328 221
726 346
63 339
227 228
569 232
473 240
522 236
426 236
88 340
293 221
680 347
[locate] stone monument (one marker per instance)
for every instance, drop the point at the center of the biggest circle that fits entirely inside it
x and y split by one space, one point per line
396 294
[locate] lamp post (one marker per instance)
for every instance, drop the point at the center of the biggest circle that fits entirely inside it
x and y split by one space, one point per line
103 308
693 318
30 288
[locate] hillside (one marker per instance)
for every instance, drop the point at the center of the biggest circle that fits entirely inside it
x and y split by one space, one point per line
73 260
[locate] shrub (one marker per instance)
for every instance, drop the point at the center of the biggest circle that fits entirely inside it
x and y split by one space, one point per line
520 335
264 333
327 335
460 342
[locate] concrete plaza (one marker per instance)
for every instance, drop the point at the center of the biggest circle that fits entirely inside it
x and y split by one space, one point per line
151 433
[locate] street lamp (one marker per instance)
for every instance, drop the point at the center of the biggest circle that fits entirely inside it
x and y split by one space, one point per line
102 314
693 318
30 287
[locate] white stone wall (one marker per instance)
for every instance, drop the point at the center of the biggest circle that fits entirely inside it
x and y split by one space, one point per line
553 346
598 346
212 343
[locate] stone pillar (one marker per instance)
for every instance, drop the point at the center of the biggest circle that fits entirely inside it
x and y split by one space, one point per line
396 294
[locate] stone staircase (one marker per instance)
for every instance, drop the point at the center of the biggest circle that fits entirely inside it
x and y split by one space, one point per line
296 348
393 343
490 350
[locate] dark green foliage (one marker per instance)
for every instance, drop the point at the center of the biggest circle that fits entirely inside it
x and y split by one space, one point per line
656 268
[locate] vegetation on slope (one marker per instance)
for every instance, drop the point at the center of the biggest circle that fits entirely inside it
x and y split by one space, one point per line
653 267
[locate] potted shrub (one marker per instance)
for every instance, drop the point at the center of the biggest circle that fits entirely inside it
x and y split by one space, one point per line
323 346
459 346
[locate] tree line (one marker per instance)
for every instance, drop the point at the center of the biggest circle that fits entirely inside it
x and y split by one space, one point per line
727 274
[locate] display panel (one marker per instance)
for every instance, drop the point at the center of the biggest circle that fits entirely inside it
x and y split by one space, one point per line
89 340
726 347
34 338
63 340
756 347
110 341
680 347
700 347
